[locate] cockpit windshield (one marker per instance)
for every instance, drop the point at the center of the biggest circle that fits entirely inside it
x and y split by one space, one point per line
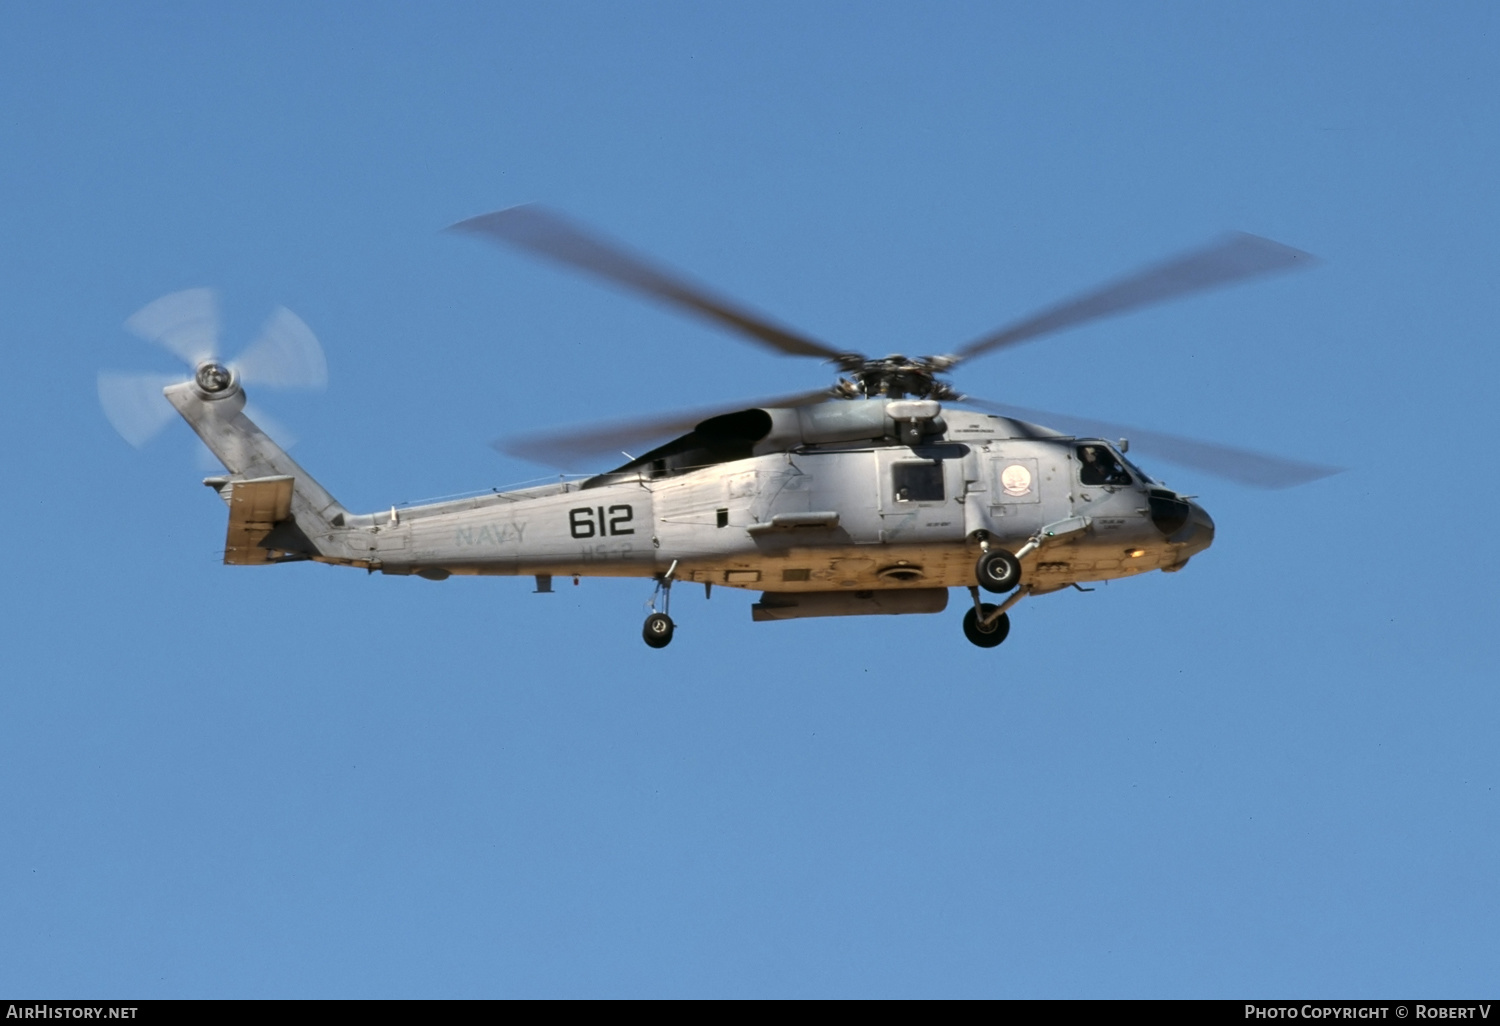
1145 477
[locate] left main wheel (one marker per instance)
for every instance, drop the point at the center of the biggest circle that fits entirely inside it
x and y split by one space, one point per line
998 571
658 630
986 636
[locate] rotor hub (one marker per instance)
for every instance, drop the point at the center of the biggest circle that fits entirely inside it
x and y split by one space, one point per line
895 377
213 378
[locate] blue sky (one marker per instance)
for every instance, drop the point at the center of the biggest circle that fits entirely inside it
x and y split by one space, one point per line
1273 773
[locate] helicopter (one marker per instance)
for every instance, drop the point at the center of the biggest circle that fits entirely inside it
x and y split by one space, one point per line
877 495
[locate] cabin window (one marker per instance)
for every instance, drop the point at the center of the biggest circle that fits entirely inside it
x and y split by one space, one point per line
1098 465
917 482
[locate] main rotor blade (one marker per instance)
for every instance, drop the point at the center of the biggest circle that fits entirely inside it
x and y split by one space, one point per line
187 323
562 449
134 404
1235 258
547 234
1244 466
285 355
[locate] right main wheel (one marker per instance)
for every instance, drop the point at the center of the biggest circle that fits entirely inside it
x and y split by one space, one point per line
990 636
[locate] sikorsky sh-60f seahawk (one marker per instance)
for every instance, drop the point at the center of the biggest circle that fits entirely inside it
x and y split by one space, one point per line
874 496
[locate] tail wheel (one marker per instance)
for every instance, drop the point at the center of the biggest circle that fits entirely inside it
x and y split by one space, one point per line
658 630
986 636
998 571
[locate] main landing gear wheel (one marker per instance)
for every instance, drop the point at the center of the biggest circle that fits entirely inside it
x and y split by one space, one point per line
998 571
986 636
659 628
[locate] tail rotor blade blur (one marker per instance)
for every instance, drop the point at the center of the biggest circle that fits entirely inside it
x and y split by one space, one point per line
1236 258
286 354
185 323
134 404
547 234
270 425
1244 466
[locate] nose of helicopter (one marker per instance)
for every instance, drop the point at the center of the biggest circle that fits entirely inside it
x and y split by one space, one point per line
1202 535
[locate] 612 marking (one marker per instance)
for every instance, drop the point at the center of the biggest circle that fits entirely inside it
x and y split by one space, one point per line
582 522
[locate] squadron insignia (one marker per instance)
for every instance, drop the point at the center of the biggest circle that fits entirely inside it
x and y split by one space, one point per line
1016 480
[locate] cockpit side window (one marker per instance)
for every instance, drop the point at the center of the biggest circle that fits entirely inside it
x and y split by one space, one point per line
1099 465
917 482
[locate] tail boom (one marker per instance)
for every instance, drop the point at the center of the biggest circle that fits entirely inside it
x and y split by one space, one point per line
277 511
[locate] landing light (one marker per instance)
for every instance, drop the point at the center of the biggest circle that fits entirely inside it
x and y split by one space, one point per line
1136 553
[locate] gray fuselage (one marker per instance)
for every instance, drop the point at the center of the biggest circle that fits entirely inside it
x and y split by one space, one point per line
820 518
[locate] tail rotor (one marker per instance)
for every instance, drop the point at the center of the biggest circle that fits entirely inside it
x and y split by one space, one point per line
285 354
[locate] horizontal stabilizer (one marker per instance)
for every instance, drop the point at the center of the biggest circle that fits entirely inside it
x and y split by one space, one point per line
256 506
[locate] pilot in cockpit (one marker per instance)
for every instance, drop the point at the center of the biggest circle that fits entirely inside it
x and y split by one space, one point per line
1098 465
